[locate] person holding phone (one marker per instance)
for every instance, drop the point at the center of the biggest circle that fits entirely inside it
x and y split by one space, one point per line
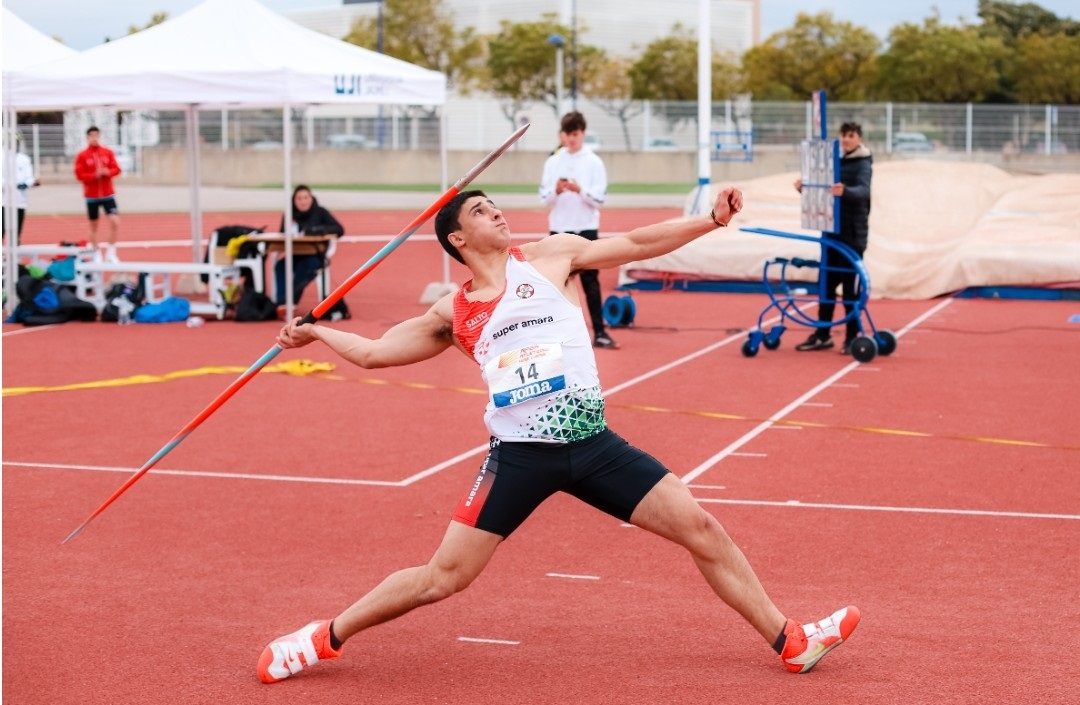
574 188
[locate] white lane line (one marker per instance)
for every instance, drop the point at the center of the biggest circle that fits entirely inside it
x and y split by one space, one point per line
434 469
205 473
571 576
345 239
607 393
476 640
31 329
708 487
703 500
908 510
801 401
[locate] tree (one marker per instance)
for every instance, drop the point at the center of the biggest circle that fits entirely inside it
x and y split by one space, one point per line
610 88
1046 69
817 53
936 63
155 19
1011 21
521 64
668 70
422 32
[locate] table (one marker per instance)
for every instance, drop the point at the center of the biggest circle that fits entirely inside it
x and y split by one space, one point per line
274 244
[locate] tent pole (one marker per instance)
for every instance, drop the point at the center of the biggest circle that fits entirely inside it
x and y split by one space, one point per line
194 168
286 141
443 136
436 290
10 211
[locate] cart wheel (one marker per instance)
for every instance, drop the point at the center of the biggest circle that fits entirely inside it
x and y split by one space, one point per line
864 348
749 349
770 344
886 342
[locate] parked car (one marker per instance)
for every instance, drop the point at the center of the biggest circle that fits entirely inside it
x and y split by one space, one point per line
912 142
347 142
592 142
660 144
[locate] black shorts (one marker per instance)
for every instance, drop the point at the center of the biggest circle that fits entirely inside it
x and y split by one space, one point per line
108 204
603 471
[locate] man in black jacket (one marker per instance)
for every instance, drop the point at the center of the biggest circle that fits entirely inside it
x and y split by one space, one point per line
856 169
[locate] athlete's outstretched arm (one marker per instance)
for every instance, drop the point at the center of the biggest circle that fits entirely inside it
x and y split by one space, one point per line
653 240
410 341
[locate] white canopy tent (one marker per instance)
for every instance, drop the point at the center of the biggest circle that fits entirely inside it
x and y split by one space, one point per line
24 46
227 54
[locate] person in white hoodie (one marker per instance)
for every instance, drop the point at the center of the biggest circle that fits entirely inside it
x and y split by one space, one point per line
574 188
24 181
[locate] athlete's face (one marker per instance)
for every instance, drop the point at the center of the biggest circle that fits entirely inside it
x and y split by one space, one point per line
483 226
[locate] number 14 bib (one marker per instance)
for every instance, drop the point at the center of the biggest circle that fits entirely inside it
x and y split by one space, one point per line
524 374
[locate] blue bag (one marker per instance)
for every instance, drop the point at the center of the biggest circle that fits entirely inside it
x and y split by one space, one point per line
170 310
62 270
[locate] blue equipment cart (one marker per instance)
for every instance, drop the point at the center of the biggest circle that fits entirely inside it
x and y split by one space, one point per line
785 297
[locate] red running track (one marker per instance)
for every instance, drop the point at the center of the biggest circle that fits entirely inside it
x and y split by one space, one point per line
936 488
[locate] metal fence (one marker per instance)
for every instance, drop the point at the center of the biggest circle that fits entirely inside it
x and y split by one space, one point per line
481 124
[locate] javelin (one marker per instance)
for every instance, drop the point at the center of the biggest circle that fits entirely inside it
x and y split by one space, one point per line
324 306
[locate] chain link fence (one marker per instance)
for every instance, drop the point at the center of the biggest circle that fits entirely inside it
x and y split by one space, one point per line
481 124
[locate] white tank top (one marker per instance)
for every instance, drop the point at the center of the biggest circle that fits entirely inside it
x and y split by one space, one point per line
536 358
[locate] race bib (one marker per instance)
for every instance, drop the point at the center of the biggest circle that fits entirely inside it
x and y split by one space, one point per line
527 373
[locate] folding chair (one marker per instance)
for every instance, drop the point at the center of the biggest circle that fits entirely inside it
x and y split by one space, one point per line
220 255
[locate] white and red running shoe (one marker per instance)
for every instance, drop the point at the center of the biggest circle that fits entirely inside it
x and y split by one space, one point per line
807 643
288 655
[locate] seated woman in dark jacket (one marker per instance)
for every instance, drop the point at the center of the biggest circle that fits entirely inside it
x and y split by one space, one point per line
309 218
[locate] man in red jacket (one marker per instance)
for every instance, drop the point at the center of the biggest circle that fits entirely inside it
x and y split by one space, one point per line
95 167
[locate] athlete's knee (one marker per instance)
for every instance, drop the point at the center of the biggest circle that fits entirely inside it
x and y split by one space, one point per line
703 535
446 581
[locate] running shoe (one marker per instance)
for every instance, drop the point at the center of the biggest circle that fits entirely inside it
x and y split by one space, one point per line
807 643
815 343
288 655
604 341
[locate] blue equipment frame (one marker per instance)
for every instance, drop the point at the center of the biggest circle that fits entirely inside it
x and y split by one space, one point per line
786 297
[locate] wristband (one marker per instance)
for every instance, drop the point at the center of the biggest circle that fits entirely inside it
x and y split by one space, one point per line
712 214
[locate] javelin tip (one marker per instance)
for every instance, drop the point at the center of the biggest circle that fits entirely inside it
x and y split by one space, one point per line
74 533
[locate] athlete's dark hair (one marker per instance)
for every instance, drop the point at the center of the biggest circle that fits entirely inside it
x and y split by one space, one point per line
447 221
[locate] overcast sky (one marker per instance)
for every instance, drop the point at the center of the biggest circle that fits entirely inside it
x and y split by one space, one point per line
82 24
